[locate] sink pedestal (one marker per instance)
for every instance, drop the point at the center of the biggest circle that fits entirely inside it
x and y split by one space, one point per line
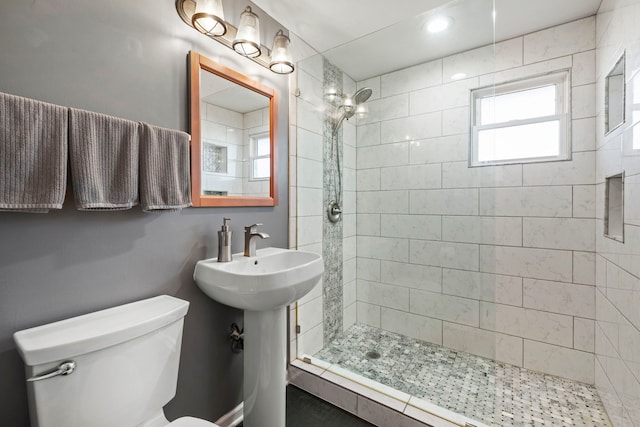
265 366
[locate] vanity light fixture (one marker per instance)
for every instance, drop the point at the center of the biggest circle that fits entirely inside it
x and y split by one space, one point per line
247 42
207 17
280 58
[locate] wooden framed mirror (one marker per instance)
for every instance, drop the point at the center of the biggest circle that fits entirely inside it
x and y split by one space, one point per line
233 128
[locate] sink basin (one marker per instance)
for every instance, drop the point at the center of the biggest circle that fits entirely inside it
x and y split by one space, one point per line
273 278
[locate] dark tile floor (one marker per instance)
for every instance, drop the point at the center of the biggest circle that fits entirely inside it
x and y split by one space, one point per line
306 410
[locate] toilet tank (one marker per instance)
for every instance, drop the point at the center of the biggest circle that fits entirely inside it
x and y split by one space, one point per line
126 359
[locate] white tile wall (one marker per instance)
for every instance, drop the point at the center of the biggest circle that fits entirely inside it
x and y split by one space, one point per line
617 324
503 256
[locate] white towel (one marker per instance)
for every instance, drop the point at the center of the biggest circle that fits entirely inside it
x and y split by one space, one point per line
33 154
104 161
165 181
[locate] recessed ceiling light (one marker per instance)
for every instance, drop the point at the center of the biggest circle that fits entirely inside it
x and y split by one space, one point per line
458 76
439 24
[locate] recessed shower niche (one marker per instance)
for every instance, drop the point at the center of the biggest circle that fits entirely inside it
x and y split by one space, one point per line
614 207
614 97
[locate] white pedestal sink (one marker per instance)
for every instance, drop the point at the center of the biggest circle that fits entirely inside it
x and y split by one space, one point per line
262 286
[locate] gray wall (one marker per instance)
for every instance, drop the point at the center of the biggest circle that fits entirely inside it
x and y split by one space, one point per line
127 59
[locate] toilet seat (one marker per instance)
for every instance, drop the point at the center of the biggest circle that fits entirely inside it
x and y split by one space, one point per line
191 422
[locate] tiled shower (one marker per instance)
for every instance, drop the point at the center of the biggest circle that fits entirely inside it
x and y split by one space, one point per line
507 262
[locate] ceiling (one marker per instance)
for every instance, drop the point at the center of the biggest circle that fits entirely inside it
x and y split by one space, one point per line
367 38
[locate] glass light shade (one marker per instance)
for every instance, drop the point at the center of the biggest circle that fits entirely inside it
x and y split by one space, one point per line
281 62
209 18
247 42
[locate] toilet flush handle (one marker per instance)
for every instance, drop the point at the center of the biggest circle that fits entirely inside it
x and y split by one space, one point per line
65 368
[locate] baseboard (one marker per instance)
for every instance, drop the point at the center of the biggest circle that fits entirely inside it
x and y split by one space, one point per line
232 418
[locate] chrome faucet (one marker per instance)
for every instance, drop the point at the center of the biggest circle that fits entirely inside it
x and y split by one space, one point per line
250 233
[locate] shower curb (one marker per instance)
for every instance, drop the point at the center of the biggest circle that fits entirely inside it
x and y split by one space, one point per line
368 400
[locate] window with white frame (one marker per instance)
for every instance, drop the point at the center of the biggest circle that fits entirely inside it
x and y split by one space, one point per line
260 157
521 122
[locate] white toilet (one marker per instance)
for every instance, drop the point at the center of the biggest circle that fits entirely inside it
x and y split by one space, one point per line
112 368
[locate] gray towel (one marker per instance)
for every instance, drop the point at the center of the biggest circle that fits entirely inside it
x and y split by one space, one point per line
104 161
33 154
165 182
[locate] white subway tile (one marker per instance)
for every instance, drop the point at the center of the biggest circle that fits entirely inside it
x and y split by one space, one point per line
584 201
487 59
455 121
411 177
483 286
368 179
444 307
309 116
583 101
349 248
383 248
312 341
411 128
383 155
527 323
309 201
383 295
558 297
412 78
583 70
526 71
309 173
461 256
421 277
383 202
527 262
460 175
560 361
444 97
492 345
310 314
350 316
579 170
438 150
526 201
561 40
368 269
309 230
444 202
506 231
412 325
383 109
559 233
426 227
583 133
368 314
349 271
583 334
367 135
368 224
584 268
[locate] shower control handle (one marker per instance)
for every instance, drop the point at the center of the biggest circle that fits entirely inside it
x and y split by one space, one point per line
65 368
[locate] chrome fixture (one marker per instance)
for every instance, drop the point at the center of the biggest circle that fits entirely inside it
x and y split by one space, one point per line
349 106
250 234
65 368
207 17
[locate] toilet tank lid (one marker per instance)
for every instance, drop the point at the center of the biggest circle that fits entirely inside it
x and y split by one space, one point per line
94 331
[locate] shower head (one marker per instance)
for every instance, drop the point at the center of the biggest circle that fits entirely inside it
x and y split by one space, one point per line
350 103
362 95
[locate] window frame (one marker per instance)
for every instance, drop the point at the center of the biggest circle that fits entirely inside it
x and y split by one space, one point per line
562 81
253 148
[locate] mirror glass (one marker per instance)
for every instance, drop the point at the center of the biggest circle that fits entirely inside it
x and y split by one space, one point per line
232 137
614 97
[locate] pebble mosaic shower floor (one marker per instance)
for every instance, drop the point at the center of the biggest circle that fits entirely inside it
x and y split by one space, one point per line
494 393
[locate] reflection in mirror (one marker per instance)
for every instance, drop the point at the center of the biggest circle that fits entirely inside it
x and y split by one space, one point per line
614 97
232 130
